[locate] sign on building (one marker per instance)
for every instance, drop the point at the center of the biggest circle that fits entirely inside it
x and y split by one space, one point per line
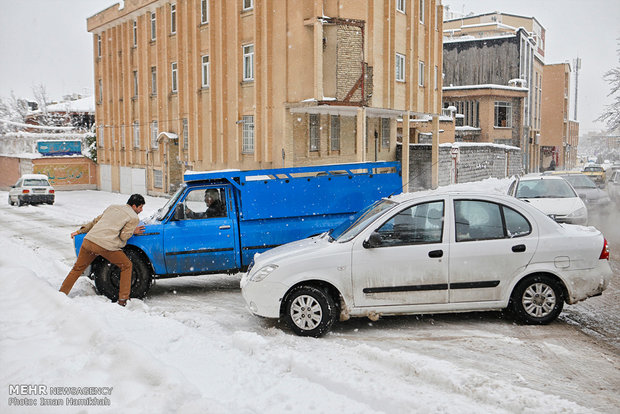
52 148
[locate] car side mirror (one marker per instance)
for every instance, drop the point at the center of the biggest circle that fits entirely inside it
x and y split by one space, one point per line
374 240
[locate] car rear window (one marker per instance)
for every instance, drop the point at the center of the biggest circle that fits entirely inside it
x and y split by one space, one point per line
33 182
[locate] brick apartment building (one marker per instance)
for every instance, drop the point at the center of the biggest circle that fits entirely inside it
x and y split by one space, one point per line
212 84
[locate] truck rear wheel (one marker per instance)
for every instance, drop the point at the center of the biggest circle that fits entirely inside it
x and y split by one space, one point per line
108 277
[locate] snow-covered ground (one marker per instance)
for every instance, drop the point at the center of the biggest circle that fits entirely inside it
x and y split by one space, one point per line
192 347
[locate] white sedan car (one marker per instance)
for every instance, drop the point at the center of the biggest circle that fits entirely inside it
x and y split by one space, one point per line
436 253
32 189
553 196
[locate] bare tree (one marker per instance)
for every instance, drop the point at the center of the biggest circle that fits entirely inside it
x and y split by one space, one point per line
611 114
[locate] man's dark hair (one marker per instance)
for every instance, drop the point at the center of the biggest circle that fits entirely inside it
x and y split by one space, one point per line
136 200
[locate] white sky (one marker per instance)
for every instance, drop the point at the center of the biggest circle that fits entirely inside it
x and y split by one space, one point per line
46 42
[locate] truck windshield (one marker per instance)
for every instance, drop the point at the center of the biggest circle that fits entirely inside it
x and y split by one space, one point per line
358 222
162 212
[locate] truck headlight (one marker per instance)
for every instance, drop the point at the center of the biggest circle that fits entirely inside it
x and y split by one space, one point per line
263 272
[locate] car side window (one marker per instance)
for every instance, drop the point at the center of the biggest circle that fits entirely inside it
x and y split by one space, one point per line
202 204
419 224
483 220
477 220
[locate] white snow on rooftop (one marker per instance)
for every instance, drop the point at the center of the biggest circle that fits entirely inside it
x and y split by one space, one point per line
79 105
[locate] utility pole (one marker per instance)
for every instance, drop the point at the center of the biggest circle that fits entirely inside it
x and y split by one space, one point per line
577 64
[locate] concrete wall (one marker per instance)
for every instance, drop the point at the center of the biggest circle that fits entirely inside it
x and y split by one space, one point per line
474 162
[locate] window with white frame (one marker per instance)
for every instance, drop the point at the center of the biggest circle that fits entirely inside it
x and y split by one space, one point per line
153 80
136 134
154 133
400 5
248 4
314 132
153 26
400 67
173 18
421 74
204 11
100 90
98 45
421 11
503 114
205 71
174 77
385 132
122 128
185 133
248 62
158 179
135 83
335 132
135 33
248 134
101 137
436 82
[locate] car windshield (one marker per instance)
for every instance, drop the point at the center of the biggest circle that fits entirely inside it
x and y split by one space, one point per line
593 169
162 212
32 182
358 222
580 181
545 189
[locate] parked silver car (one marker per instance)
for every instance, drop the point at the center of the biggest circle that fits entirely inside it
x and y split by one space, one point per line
596 199
32 189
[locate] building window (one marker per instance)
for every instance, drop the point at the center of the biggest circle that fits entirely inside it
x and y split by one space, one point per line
136 135
158 181
154 133
385 132
135 83
205 71
436 82
173 18
174 77
400 5
185 133
248 62
503 114
400 67
335 132
101 137
135 33
204 11
314 132
153 27
421 74
421 11
100 91
98 46
248 134
153 80
248 4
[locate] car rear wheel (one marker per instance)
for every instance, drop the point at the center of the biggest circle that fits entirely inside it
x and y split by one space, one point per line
537 300
108 277
310 311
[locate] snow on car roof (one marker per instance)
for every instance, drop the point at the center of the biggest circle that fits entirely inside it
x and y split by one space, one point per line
35 176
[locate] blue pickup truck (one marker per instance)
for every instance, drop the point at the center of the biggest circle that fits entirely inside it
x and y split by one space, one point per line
258 210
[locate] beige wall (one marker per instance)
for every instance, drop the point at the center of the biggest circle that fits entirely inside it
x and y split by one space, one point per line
300 59
555 110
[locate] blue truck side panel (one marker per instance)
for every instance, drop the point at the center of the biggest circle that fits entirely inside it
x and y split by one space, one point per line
265 208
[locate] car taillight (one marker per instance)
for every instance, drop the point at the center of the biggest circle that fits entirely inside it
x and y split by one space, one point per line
605 252
25 191
51 191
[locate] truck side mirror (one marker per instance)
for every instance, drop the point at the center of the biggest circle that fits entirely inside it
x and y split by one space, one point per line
374 240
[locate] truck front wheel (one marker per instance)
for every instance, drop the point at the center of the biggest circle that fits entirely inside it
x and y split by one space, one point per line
108 277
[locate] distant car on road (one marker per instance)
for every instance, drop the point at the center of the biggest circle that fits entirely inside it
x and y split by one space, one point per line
596 173
32 189
436 253
596 200
553 196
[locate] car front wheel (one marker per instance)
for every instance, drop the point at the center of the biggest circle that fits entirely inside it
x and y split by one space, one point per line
310 311
108 277
537 300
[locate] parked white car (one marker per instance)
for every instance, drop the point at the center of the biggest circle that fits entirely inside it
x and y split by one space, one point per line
436 253
553 196
32 189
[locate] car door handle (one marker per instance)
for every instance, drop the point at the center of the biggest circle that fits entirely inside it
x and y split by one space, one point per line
224 227
519 248
435 253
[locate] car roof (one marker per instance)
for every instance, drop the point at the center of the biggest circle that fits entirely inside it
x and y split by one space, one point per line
541 177
34 176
